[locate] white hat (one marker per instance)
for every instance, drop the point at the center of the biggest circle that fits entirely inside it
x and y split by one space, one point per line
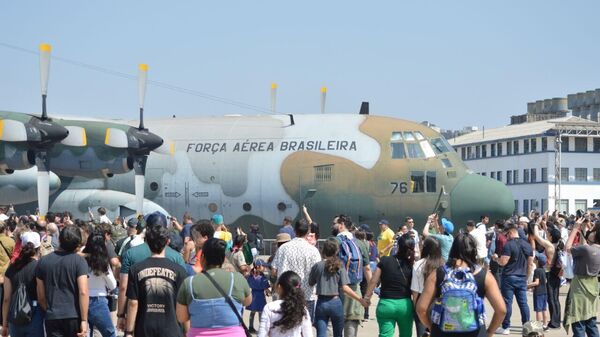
32 237
524 219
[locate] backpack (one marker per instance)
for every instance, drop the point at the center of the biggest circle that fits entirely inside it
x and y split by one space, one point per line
458 308
20 311
351 258
557 268
46 245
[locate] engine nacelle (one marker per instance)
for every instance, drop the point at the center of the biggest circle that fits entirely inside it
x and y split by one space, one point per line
21 186
90 165
14 157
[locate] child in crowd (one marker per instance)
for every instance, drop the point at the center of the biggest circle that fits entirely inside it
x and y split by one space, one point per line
259 284
540 297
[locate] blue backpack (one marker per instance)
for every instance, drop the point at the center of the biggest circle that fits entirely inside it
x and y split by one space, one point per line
351 258
458 308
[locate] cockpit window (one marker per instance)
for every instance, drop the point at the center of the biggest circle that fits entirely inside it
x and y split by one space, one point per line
414 150
409 137
396 137
398 151
427 149
417 182
419 135
431 179
446 163
439 146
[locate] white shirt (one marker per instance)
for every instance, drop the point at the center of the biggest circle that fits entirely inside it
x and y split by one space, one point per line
479 234
271 314
299 256
418 279
136 241
417 242
98 284
3 217
105 219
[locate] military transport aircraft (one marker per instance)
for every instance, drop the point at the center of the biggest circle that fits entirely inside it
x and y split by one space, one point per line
251 169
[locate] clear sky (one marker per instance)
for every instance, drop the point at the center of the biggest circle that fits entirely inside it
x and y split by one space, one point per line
454 63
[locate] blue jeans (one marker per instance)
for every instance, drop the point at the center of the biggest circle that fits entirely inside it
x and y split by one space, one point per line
582 327
517 286
310 306
329 308
99 317
34 329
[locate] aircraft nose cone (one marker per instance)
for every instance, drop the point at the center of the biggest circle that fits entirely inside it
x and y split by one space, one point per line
476 195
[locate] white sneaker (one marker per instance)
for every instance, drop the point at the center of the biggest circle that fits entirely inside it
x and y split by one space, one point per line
501 331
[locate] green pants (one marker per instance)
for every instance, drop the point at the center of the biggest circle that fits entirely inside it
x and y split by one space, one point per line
391 312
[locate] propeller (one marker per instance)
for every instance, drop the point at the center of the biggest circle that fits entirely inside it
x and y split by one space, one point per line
323 98
273 97
139 142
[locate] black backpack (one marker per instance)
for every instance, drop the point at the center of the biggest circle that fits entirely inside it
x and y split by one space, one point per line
20 310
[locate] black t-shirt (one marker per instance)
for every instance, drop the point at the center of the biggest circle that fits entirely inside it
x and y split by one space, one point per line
110 248
396 276
518 250
539 274
26 275
154 283
59 272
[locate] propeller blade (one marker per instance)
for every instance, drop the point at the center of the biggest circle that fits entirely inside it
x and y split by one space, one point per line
140 181
323 98
167 147
43 183
12 131
76 137
116 138
45 50
142 79
273 96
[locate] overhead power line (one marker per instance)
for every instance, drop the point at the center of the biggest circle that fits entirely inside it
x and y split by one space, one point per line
159 84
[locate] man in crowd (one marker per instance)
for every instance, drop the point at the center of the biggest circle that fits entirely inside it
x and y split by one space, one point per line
501 240
287 227
410 224
152 289
385 241
125 243
444 236
299 256
479 233
62 287
517 260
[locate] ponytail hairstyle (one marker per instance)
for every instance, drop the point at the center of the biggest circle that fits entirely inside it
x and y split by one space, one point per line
330 254
25 256
293 305
406 249
97 254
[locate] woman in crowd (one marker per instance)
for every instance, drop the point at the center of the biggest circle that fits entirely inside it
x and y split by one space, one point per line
463 255
431 260
100 282
237 255
395 304
22 271
329 276
287 317
200 303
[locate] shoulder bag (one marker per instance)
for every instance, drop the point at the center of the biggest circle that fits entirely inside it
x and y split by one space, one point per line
229 301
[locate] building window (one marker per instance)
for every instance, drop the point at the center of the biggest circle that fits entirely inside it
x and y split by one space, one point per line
596 203
596 144
581 204
516 147
533 175
509 148
564 144
564 174
525 145
323 173
509 179
431 181
463 153
544 143
516 207
493 175
563 205
477 151
526 206
533 204
499 175
417 181
499 149
533 144
580 144
493 150
544 174
483 151
580 174
483 174
516 176
526 176
544 206
469 152
596 174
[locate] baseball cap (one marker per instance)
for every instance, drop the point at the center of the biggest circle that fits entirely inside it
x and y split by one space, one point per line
217 219
365 228
533 328
541 259
132 223
524 219
260 263
32 237
384 222
448 225
282 237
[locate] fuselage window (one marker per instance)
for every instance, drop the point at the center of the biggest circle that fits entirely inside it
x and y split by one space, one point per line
431 183
398 151
417 181
323 173
446 163
414 150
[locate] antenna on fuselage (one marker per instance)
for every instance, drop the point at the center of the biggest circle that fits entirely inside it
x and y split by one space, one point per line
273 97
291 120
323 98
364 108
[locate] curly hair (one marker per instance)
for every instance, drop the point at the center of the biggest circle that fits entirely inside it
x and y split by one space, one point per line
96 252
330 254
293 305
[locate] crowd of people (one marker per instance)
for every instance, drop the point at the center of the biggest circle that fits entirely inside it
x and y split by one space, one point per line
68 277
